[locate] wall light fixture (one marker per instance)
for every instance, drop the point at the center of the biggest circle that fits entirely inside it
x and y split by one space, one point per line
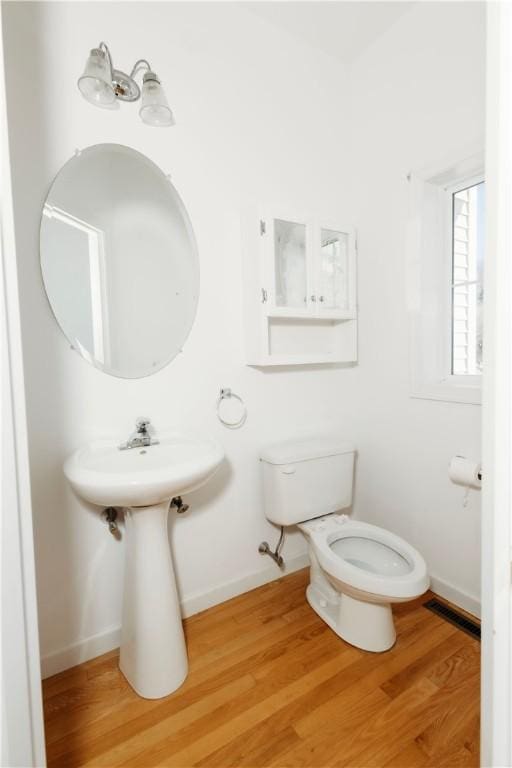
104 86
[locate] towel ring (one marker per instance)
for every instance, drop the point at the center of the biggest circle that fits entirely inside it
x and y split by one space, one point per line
227 394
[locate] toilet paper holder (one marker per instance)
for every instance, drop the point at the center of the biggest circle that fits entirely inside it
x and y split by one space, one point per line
465 472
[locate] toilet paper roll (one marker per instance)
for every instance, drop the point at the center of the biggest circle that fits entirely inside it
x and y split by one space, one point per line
464 472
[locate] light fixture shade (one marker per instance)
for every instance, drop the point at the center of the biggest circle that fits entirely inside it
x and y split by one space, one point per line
96 82
154 108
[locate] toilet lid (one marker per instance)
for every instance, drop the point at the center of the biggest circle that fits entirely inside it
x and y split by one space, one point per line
371 556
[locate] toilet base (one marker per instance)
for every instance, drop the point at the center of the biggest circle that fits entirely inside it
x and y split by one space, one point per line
368 626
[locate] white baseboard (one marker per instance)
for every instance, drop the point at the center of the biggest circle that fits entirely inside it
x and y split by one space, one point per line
108 640
200 602
456 596
81 651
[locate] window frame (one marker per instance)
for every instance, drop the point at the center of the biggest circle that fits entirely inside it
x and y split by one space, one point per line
429 259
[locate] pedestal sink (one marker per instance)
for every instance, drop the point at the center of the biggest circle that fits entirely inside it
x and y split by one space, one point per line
143 480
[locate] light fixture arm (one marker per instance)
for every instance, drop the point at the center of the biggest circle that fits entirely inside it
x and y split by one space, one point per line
141 63
104 47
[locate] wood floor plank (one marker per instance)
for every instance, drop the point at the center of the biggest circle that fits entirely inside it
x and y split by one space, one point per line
325 745
321 728
403 718
373 743
366 675
411 755
454 758
197 745
216 667
398 683
270 685
260 754
138 714
97 752
234 606
79 674
456 727
304 651
289 714
455 667
248 613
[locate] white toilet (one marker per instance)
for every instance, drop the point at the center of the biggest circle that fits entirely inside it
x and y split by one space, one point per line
357 569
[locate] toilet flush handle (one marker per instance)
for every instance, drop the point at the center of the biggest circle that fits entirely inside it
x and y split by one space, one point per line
288 469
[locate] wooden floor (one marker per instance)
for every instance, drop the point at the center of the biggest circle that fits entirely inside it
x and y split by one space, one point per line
271 685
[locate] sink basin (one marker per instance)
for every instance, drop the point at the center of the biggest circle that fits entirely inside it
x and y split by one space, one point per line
153 653
102 474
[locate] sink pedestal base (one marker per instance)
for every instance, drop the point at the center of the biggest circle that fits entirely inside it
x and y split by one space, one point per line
153 654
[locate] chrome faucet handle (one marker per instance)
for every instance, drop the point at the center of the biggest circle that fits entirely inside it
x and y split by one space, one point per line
141 436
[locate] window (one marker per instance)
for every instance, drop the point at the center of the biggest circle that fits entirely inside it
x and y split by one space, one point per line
445 257
467 251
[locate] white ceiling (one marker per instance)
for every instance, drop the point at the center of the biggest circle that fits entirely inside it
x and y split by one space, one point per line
338 28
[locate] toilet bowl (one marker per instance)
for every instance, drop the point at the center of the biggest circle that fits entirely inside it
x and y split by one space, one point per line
357 570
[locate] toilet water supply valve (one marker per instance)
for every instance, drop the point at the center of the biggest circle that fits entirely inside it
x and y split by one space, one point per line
110 515
264 549
179 505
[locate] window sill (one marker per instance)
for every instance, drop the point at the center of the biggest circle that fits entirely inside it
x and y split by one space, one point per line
451 390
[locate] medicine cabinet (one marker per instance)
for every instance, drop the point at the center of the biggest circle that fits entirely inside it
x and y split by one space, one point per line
300 291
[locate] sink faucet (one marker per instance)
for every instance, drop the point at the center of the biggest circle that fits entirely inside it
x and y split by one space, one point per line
140 437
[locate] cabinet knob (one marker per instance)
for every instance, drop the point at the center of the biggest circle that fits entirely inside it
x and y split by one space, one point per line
320 298
313 298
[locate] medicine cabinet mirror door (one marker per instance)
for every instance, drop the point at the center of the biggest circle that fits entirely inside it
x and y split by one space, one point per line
287 266
119 261
335 266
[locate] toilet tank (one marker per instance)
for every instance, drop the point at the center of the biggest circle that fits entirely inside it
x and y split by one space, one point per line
307 478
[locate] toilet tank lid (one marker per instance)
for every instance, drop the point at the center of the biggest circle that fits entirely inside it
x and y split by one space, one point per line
301 450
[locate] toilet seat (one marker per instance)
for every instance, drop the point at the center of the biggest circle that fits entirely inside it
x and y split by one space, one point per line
371 555
367 558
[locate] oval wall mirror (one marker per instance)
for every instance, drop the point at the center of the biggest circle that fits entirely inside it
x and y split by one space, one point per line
119 261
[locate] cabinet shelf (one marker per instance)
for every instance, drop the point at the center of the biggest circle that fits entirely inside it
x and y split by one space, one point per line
334 314
284 360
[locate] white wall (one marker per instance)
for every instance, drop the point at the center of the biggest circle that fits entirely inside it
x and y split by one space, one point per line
262 118
417 101
257 122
